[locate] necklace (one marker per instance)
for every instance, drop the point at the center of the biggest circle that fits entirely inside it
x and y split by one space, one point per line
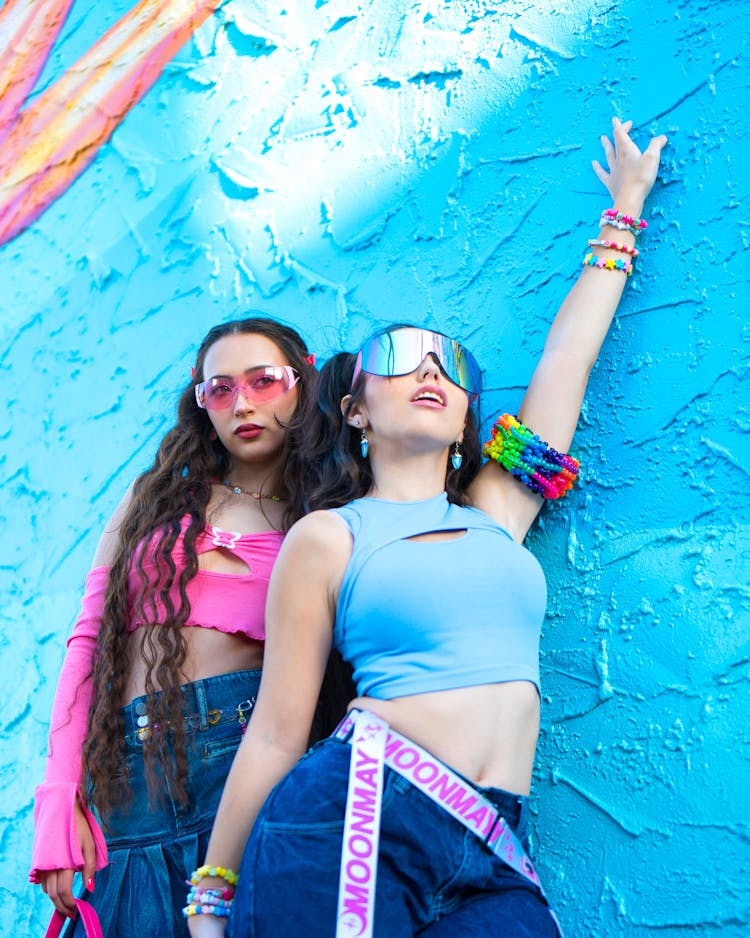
238 490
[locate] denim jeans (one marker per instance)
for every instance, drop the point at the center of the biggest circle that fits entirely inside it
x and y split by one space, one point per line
435 878
154 847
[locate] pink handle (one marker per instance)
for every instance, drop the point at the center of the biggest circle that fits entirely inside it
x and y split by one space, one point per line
88 917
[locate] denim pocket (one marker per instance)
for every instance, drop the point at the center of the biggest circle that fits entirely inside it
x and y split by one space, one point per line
312 796
215 748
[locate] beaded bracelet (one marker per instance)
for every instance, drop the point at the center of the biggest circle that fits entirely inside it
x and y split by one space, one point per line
201 901
197 909
612 215
221 872
531 460
621 226
608 263
622 248
211 895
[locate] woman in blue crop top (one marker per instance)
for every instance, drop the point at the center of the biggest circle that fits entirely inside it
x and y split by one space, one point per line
163 665
411 819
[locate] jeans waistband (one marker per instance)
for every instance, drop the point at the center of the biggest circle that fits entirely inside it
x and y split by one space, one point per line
206 702
454 794
512 806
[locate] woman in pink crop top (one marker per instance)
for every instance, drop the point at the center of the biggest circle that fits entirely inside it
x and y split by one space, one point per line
163 664
411 819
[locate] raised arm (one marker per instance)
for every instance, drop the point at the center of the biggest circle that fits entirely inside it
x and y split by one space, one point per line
552 403
300 612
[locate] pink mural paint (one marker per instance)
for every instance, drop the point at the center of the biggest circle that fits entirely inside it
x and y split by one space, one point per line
50 143
28 30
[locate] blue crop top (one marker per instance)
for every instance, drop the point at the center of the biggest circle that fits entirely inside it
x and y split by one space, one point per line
420 616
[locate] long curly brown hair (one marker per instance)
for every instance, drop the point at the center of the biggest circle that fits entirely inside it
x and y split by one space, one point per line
178 484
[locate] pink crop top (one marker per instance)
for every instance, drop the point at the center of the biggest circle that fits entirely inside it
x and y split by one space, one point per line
231 603
228 602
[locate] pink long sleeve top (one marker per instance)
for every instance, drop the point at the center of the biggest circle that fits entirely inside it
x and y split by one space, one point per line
231 603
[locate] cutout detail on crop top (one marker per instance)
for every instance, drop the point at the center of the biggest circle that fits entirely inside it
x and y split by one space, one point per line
228 602
416 616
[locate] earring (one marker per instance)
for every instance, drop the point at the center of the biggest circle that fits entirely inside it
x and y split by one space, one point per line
457 458
364 444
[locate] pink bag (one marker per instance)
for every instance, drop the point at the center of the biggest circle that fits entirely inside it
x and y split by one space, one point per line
88 917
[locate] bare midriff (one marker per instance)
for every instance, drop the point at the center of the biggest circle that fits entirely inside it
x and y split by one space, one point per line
488 733
209 652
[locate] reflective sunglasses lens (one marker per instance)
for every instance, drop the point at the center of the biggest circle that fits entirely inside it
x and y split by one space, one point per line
458 363
468 372
395 353
401 351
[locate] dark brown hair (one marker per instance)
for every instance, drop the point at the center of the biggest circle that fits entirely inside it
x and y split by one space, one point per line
178 484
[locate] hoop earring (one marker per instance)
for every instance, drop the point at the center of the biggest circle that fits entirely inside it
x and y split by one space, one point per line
457 458
364 444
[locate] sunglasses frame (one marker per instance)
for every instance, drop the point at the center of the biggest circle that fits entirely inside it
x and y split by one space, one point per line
241 383
476 372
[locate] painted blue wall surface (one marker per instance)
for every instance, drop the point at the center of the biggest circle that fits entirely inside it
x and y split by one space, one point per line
340 164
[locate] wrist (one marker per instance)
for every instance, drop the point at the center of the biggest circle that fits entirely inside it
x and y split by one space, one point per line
630 202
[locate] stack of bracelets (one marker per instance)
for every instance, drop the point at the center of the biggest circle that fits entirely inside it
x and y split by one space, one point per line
206 900
611 218
531 460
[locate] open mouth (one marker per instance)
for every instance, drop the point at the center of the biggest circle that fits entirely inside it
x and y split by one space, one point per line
430 394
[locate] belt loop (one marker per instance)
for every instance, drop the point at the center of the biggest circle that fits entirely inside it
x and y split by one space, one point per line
522 823
498 820
345 728
201 704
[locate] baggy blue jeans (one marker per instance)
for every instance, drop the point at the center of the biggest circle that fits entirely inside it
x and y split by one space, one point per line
435 878
153 848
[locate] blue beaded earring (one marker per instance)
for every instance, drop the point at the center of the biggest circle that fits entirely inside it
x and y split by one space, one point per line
364 444
457 458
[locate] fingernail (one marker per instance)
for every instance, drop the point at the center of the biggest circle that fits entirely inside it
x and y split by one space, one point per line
90 884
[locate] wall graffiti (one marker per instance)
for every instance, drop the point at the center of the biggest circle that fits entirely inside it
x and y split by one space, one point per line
45 146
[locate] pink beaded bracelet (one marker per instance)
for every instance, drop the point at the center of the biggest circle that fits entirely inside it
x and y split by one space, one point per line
620 220
608 263
623 248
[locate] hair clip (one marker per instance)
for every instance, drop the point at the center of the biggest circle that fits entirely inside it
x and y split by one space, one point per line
310 358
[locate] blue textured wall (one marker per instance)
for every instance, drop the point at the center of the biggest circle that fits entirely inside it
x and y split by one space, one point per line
342 163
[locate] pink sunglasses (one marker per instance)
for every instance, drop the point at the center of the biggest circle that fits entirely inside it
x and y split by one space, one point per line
258 385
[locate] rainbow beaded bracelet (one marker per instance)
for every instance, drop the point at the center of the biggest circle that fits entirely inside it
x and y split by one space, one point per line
608 263
532 461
